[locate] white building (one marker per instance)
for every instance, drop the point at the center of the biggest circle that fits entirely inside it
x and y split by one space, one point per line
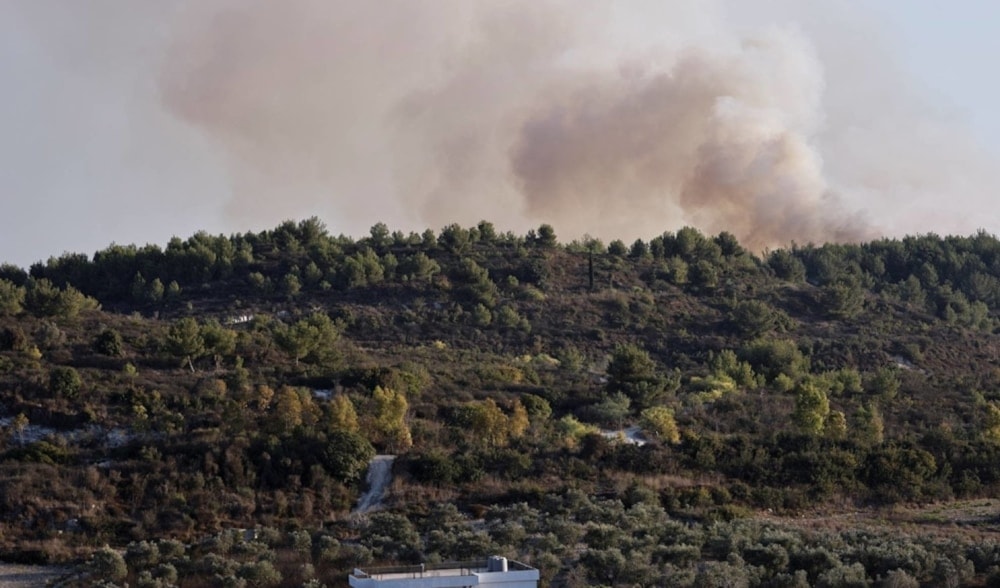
496 572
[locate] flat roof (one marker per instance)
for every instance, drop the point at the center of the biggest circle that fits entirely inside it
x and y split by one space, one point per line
442 573
436 570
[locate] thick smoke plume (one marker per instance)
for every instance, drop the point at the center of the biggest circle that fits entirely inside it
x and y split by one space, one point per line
519 112
426 113
777 120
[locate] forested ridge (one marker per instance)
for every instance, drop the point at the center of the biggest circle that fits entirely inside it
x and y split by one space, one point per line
155 402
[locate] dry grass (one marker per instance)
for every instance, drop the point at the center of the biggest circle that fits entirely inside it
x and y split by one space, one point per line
407 492
22 576
966 518
662 481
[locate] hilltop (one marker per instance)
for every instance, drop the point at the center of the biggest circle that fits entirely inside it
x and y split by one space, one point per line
155 395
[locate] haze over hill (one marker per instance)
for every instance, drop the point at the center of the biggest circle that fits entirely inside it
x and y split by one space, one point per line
771 121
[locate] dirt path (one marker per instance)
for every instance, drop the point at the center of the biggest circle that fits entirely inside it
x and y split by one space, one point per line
378 479
632 435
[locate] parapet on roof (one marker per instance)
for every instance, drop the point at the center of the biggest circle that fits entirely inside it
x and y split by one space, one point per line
495 571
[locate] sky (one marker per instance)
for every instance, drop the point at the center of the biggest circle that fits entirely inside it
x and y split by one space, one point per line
778 120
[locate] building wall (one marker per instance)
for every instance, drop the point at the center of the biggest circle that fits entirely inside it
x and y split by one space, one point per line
510 579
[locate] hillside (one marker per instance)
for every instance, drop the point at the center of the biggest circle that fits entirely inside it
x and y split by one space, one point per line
159 399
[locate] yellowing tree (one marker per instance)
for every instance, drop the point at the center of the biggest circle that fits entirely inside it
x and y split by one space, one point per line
571 431
489 426
389 426
342 416
811 408
836 426
287 410
658 422
519 421
11 298
991 423
311 412
264 396
488 423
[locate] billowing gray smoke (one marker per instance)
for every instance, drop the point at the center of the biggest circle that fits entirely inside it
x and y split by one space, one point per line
721 139
522 112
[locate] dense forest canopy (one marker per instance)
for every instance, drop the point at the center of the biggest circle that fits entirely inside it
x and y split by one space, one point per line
156 400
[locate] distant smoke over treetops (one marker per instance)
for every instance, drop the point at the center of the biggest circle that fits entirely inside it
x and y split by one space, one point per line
608 119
